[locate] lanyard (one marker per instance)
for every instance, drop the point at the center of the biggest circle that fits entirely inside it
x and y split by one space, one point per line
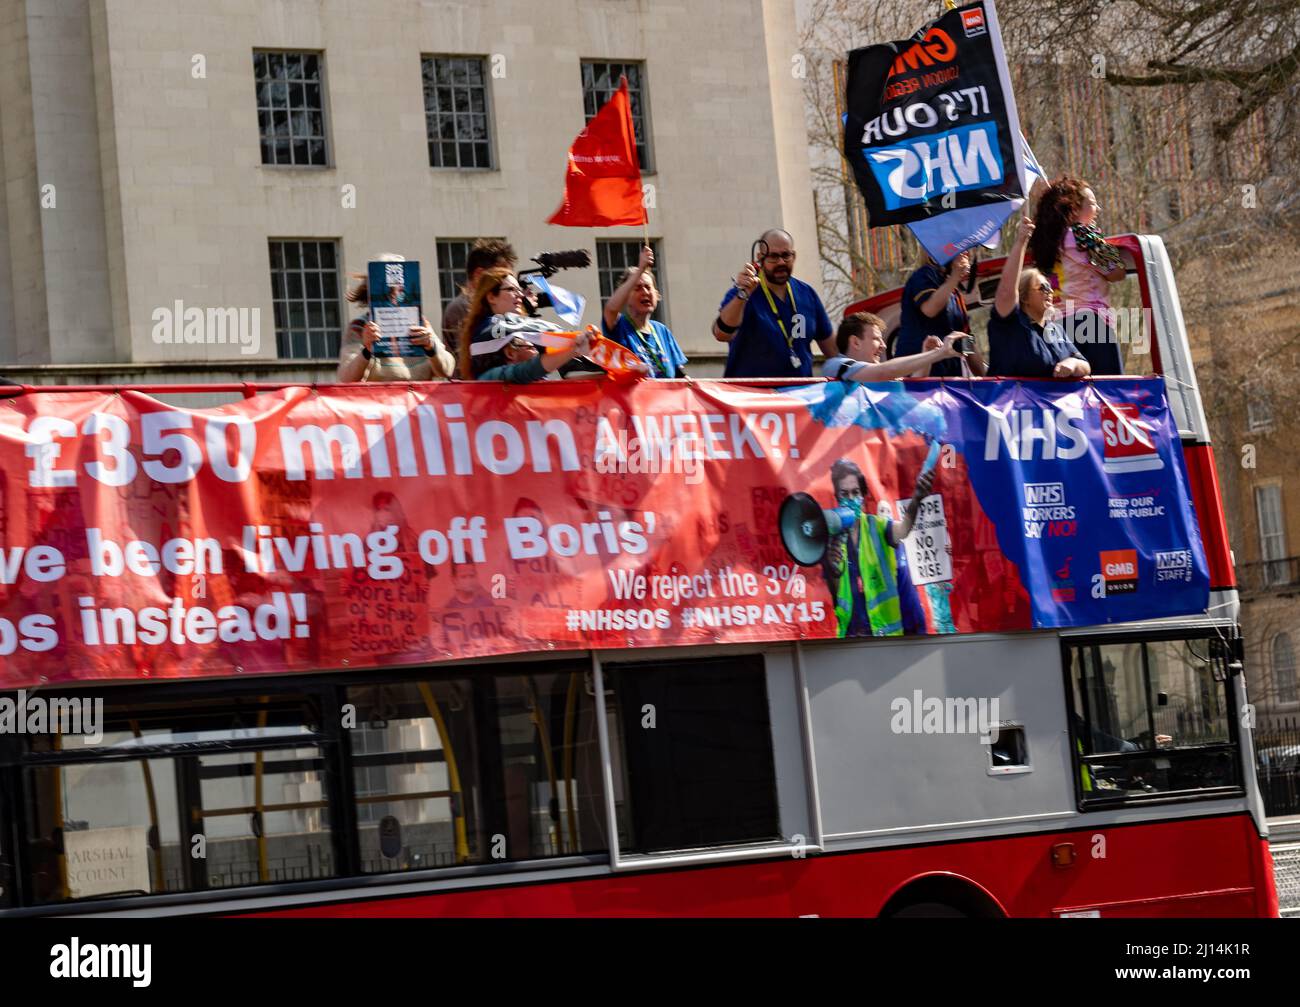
794 307
650 344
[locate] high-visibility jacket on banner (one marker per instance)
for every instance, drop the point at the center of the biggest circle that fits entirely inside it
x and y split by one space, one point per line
878 565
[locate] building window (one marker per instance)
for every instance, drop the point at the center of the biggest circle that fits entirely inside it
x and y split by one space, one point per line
1259 410
305 293
600 81
290 108
1272 533
452 254
456 111
612 260
1284 682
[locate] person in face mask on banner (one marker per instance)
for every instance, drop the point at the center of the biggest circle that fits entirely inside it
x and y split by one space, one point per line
874 595
770 319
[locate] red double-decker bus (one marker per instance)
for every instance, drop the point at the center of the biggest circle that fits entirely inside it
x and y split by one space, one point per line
728 780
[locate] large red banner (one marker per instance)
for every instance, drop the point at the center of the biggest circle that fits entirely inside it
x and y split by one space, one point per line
358 526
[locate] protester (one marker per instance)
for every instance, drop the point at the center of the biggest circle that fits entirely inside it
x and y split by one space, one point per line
486 253
770 319
627 321
932 305
359 362
860 340
519 361
1068 245
1023 341
868 579
493 318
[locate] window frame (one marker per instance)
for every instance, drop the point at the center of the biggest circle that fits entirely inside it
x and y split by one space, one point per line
1293 692
489 112
340 284
660 314
326 691
650 164
621 860
1074 643
326 118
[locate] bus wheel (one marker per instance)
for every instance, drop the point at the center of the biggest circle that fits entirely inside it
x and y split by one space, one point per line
928 911
943 897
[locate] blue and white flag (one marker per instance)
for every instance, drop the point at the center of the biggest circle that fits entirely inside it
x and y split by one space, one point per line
1032 167
568 305
947 235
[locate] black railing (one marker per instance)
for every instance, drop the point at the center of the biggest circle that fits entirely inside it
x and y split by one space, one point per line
1269 574
1277 761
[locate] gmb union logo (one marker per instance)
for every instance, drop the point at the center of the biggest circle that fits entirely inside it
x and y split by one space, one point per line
1174 565
1119 572
973 22
934 48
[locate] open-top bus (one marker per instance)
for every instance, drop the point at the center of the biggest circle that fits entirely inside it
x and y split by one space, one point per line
754 779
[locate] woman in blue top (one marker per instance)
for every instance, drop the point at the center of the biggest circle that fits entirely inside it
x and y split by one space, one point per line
1024 341
932 305
627 321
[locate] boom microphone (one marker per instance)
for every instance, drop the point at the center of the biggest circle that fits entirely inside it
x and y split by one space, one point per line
578 258
807 528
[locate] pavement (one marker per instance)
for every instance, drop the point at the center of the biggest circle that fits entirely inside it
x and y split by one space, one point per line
1284 843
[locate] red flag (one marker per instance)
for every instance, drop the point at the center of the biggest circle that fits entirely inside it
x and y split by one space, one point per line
602 186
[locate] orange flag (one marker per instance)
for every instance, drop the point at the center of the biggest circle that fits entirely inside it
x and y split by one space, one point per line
617 359
602 186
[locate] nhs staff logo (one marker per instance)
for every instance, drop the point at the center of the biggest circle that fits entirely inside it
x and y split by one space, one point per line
959 159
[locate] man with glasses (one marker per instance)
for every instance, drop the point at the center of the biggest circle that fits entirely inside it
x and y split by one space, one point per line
769 319
1024 340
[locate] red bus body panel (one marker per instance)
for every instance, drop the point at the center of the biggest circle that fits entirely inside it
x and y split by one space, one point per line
1204 479
1132 871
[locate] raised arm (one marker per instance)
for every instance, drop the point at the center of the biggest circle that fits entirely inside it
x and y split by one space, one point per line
618 299
935 304
1008 295
915 364
901 529
733 312
352 362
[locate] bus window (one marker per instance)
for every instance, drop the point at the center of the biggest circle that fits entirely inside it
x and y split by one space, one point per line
1150 719
415 771
699 768
550 763
178 796
264 817
103 828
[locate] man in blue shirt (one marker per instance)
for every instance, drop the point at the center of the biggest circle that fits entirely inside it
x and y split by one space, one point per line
627 321
770 320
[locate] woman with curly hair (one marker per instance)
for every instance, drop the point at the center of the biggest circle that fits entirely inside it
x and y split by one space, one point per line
1067 244
493 319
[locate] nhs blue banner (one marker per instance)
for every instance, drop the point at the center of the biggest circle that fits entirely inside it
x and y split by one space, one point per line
1049 504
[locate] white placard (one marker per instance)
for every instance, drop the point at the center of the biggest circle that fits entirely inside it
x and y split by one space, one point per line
101 861
928 559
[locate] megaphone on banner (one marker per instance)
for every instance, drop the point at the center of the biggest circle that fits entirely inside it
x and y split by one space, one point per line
807 528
